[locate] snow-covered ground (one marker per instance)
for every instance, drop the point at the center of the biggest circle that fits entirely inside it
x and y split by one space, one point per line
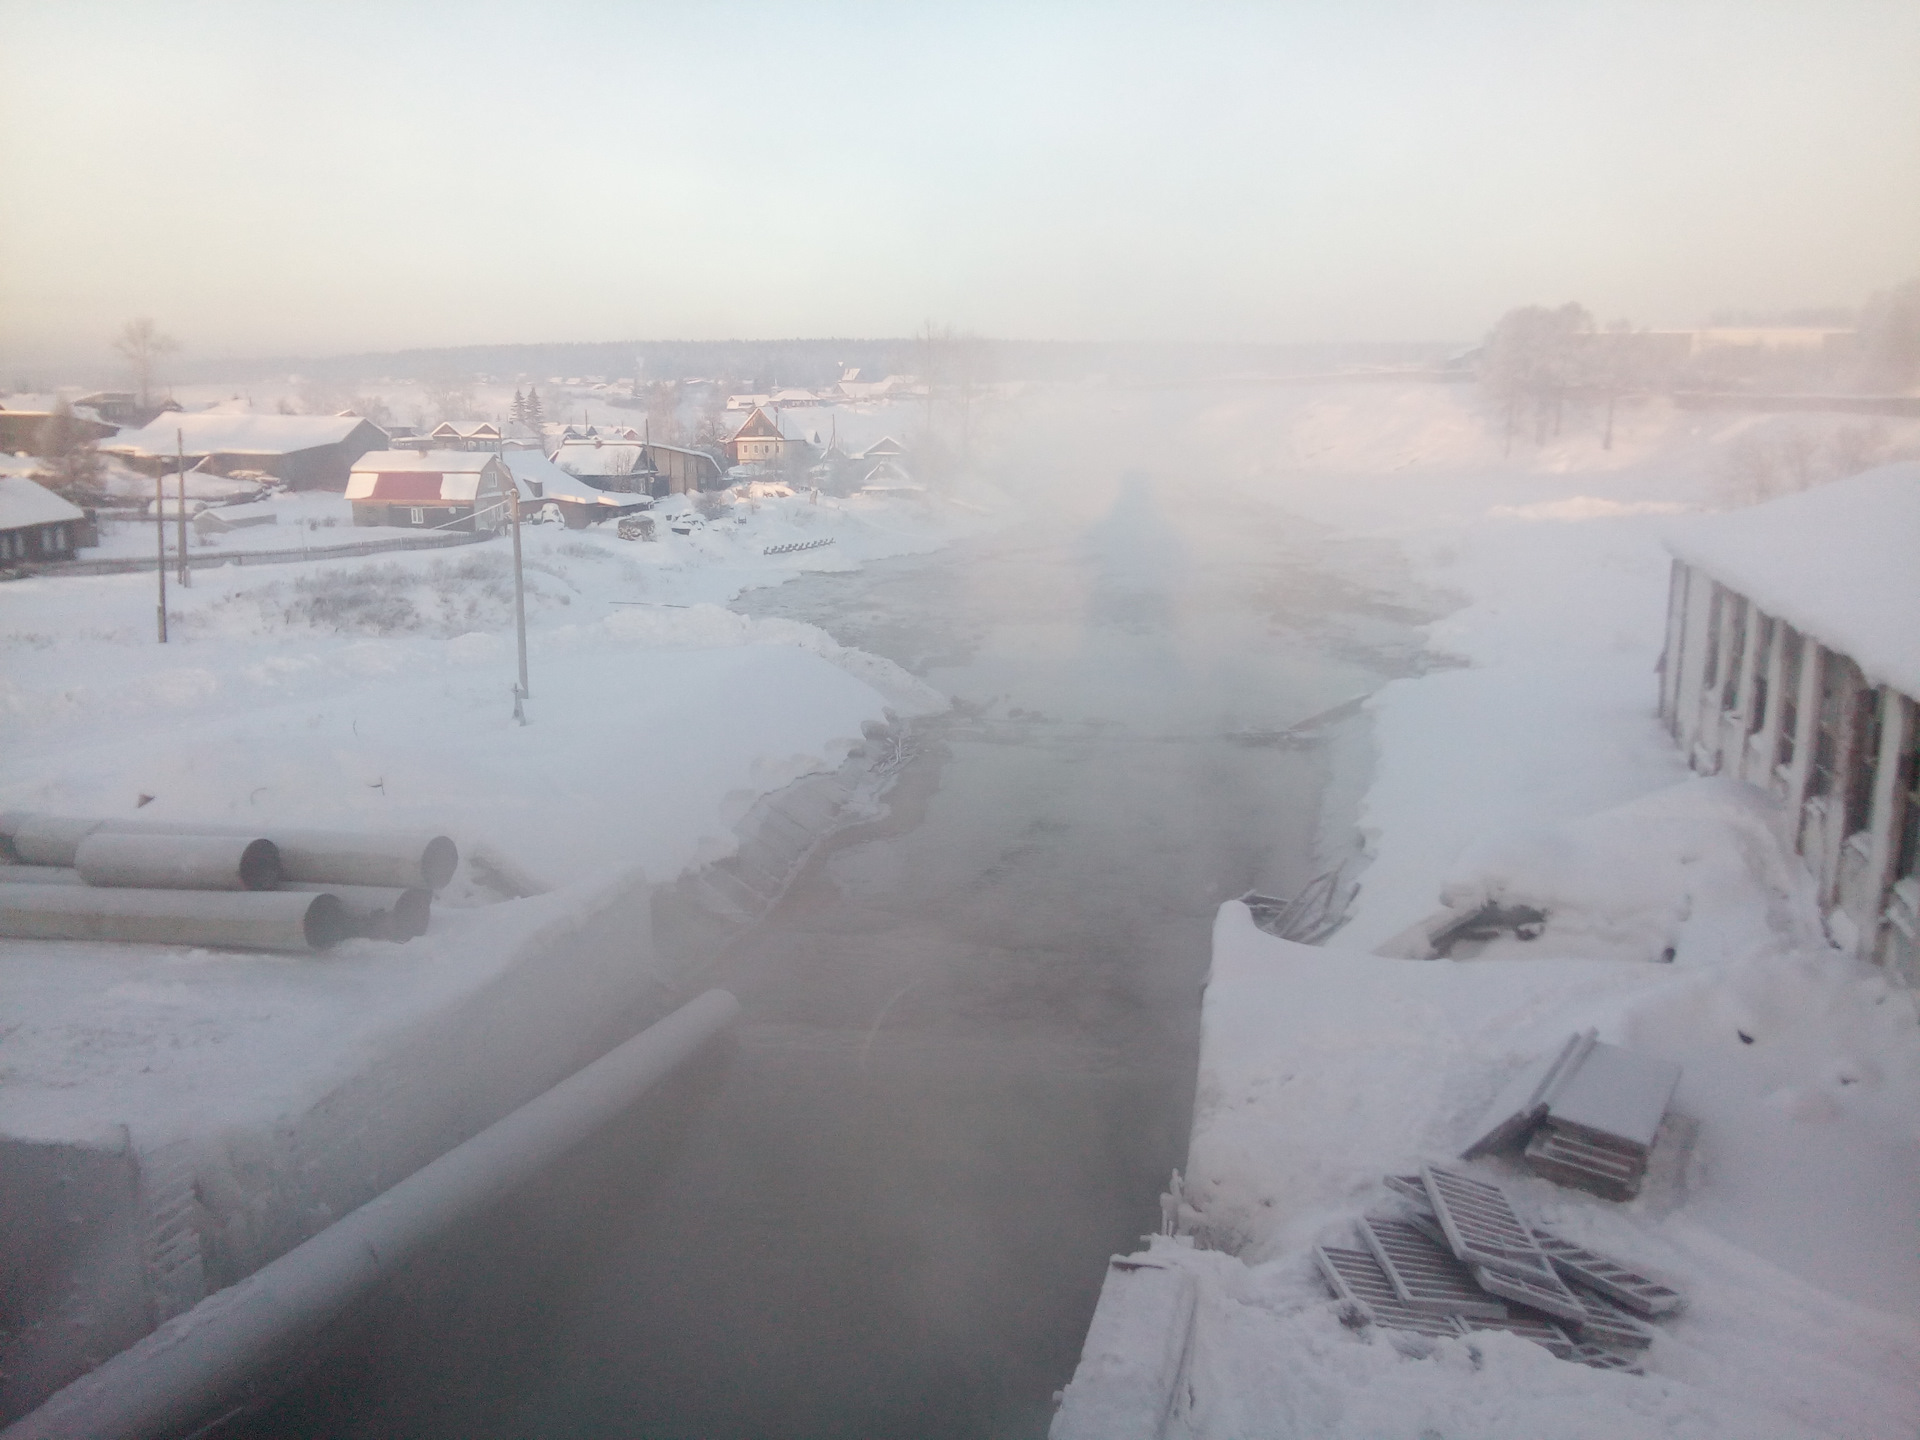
1535 771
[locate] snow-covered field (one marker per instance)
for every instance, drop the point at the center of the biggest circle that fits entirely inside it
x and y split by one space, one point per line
1536 770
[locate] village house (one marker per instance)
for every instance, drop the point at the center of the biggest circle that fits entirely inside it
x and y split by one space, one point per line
1793 663
37 525
681 470
430 490
307 452
465 435
22 431
758 441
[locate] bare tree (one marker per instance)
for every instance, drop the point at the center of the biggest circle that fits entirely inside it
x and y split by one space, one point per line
141 342
1533 357
69 466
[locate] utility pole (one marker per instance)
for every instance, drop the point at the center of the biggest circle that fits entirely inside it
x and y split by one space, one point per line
520 692
180 462
160 541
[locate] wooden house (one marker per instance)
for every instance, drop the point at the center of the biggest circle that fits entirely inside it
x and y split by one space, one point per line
758 441
37 525
430 490
308 452
679 469
1793 663
579 502
465 435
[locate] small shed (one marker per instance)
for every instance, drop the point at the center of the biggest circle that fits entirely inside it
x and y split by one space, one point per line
430 490
37 525
680 470
1793 663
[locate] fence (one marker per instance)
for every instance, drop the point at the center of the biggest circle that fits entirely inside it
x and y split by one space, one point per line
208 560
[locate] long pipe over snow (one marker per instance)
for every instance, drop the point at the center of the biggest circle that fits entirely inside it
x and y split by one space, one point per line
196 1367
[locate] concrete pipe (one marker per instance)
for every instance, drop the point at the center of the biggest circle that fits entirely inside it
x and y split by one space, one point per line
39 875
376 911
178 862
402 860
193 1369
247 921
45 839
397 860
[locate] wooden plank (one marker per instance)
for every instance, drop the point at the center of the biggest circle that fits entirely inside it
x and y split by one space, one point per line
1367 1296
1549 1295
1523 1101
1614 1096
1540 1332
1569 1158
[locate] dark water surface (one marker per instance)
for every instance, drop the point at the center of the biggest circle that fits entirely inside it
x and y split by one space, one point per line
967 1059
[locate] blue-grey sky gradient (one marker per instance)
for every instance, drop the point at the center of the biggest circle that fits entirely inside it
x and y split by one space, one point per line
280 178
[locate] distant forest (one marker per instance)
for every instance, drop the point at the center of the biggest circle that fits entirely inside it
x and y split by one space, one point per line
818 361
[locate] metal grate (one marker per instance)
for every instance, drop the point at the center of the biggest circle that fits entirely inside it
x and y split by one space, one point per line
1482 1231
1552 1297
1540 1332
1600 1359
1607 1324
1367 1296
1424 1276
1626 1287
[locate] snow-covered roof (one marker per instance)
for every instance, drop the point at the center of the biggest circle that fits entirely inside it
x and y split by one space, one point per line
462 462
531 468
756 426
1840 563
597 457
213 434
419 476
23 503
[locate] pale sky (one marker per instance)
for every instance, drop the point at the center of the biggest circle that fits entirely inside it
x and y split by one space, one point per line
315 178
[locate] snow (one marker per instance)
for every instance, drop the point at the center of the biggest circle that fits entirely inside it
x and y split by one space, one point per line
1840 563
23 503
236 434
1527 766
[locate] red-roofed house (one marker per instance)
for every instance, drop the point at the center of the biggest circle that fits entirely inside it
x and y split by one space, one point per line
430 490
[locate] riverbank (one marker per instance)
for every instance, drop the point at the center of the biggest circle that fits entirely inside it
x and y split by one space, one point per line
1683 932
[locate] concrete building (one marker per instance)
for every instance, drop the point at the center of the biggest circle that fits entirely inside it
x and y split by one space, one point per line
1793 663
308 452
430 490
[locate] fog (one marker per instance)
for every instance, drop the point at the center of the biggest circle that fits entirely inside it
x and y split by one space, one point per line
268 179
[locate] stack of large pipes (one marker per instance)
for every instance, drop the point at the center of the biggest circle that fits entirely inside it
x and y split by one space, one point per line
184 884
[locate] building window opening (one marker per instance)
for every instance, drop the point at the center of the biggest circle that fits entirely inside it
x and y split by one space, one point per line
417 515
1763 639
1735 654
1793 651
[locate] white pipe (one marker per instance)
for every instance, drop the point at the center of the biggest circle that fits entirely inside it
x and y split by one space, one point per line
45 839
377 911
177 862
251 920
39 875
187 1373
402 860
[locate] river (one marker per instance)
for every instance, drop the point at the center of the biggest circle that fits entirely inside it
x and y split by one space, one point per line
967 1058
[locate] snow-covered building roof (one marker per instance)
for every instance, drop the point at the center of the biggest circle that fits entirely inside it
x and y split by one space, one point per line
24 503
245 434
757 426
416 476
540 479
597 456
464 430
1840 563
